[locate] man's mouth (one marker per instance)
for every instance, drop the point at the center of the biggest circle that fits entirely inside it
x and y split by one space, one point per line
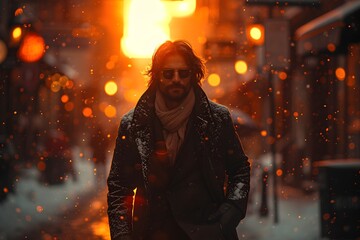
176 87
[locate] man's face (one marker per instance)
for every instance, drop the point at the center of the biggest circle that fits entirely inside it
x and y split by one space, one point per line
175 78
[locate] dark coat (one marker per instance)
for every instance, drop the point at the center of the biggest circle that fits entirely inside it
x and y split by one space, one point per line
225 166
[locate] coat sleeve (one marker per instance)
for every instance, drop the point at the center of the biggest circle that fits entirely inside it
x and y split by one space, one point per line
121 185
237 167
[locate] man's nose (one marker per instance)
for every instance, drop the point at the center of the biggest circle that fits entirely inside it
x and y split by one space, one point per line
176 77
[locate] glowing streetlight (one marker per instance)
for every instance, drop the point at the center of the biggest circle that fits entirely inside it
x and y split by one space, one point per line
255 33
16 33
144 30
182 8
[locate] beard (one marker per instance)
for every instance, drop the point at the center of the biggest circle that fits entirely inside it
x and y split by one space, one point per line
175 92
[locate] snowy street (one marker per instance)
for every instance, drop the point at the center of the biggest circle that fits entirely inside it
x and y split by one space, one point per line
37 211
161 86
77 210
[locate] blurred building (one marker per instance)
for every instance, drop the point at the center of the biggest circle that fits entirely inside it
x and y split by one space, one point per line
59 88
311 53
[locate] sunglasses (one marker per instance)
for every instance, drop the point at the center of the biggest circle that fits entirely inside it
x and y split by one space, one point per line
169 73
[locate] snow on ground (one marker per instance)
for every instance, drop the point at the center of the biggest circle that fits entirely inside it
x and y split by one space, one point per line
298 217
34 202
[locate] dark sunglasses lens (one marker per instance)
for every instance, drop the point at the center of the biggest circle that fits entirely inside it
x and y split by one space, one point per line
184 73
168 74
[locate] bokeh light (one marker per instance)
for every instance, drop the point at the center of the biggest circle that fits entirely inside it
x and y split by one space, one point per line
282 75
16 33
87 112
55 86
110 111
255 34
241 67
41 166
214 80
101 228
18 12
331 47
69 84
64 98
340 73
69 106
110 88
63 80
32 48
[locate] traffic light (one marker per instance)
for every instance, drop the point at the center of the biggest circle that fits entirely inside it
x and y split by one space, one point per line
31 48
15 35
255 34
23 41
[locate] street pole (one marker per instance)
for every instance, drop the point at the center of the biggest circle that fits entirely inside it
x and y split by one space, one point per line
264 210
272 135
272 129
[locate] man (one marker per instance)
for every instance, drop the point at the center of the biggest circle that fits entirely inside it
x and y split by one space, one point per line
180 152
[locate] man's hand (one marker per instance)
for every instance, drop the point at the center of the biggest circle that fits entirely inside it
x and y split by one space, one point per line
228 216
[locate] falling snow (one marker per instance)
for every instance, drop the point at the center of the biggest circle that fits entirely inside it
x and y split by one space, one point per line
71 70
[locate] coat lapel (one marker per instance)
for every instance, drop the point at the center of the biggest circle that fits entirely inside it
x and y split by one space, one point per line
143 130
203 122
208 132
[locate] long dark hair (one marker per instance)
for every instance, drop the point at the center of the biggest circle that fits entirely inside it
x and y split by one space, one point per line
183 48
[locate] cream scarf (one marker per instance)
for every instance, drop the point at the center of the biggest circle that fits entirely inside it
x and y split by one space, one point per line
174 121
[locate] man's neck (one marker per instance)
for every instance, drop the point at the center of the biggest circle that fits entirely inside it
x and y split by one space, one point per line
172 104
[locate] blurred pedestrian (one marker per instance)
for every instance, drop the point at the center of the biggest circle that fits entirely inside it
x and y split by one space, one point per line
59 164
176 149
99 143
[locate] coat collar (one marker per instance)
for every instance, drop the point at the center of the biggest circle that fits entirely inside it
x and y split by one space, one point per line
143 121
